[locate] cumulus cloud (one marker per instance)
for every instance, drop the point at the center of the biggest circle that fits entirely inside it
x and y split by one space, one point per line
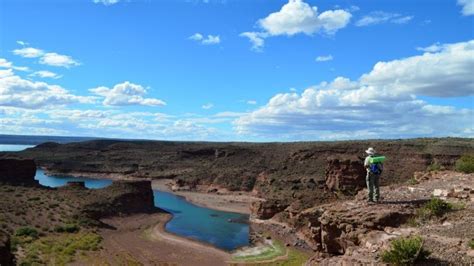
28 52
324 58
18 92
51 59
126 93
45 74
106 2
7 64
382 103
59 60
298 17
379 17
209 40
467 7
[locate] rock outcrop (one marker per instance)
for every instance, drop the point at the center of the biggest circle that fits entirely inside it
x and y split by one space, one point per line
345 175
18 172
267 209
122 197
6 257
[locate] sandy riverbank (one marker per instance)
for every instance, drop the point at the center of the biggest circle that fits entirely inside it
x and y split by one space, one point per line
142 239
230 201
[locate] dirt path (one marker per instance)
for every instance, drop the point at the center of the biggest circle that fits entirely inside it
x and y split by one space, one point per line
141 239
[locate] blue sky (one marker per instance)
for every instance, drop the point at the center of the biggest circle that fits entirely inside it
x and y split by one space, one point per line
247 70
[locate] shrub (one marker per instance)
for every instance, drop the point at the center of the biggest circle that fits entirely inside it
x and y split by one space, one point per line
465 164
27 231
67 228
433 167
437 207
471 244
405 251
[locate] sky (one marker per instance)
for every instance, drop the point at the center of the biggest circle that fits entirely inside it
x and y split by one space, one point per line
237 70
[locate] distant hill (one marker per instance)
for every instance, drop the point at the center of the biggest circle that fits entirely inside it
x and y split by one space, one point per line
34 140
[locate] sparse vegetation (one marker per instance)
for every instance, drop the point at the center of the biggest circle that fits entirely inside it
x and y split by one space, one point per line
434 166
471 244
59 250
434 208
27 231
465 164
405 251
67 228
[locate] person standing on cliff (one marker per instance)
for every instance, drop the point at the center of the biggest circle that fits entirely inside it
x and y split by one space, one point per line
374 170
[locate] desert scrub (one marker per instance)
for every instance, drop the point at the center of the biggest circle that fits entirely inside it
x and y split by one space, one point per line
465 164
434 166
434 208
67 228
405 251
59 250
27 231
471 244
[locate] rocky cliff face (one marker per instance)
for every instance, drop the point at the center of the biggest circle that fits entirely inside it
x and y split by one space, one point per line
346 175
18 172
6 257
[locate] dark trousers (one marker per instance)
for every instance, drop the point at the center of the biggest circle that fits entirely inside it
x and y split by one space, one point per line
372 181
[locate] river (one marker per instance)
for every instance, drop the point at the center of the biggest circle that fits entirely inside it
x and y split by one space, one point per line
221 229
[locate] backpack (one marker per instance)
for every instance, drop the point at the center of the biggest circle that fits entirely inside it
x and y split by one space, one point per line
376 168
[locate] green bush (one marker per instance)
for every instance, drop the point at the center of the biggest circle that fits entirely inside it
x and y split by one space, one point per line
405 251
27 231
437 207
465 164
67 228
433 167
471 244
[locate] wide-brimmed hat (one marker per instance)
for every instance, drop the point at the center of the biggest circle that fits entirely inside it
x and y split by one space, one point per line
370 151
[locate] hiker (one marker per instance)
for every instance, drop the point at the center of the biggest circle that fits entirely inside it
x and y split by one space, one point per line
373 165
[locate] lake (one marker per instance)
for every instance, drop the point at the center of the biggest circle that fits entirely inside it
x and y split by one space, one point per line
218 228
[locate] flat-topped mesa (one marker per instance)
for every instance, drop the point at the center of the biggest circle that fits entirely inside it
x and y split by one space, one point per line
121 197
18 172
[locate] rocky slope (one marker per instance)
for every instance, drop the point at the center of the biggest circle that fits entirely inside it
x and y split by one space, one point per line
47 209
276 171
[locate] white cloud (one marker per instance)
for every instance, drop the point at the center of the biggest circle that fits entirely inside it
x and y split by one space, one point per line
28 52
297 17
431 49
445 73
256 38
18 92
252 102
7 64
379 17
51 59
45 74
381 104
126 93
467 7
22 43
324 58
207 106
209 40
106 2
59 60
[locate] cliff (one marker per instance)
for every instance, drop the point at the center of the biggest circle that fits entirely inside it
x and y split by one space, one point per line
18 172
280 171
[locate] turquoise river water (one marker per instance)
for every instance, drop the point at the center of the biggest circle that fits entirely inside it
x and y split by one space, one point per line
224 230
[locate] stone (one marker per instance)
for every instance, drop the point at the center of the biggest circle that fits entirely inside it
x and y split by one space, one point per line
18 172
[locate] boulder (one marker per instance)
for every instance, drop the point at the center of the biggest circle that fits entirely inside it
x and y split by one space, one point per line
345 175
267 209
